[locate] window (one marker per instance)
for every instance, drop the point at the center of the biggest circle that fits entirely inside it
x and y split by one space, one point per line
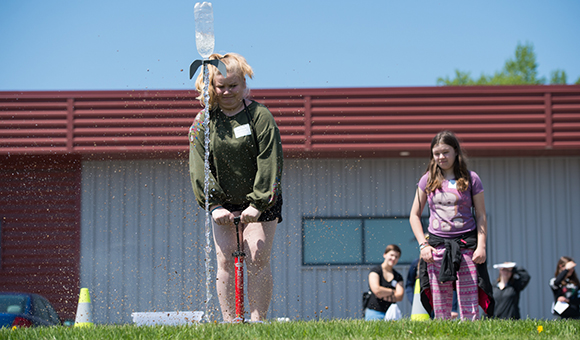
356 241
12 304
40 308
52 314
332 241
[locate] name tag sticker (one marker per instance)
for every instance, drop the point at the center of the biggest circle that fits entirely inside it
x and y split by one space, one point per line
452 184
243 130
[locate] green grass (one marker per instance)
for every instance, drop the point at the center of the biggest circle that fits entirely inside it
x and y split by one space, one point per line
334 329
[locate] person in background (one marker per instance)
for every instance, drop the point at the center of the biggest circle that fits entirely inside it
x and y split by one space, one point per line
565 287
412 276
456 249
385 284
506 292
244 180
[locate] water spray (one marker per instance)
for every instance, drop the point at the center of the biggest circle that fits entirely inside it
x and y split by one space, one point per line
205 41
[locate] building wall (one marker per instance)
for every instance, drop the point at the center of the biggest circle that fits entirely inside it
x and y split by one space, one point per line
39 228
142 234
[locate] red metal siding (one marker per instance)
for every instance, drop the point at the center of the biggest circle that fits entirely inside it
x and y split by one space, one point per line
565 119
370 122
40 212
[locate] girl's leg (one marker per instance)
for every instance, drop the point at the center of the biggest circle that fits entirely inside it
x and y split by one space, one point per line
225 244
258 240
442 292
467 296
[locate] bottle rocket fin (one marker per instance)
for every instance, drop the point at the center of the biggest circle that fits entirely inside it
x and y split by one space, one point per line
215 62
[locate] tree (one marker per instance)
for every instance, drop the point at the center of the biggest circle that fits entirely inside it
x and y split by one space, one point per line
519 71
558 77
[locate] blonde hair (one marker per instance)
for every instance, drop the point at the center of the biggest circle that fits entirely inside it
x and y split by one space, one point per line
235 64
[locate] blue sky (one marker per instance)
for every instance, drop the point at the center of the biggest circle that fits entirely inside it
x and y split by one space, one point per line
142 44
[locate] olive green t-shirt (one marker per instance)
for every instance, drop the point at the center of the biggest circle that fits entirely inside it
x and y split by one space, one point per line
241 172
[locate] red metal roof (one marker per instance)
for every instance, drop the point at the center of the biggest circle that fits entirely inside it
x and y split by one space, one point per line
333 122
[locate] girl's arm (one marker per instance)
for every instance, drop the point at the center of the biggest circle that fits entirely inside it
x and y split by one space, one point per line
479 255
417 227
197 166
379 291
399 292
522 278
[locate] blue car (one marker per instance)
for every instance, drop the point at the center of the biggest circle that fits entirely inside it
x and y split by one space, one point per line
26 310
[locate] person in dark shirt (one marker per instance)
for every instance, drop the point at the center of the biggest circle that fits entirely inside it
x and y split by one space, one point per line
506 292
565 286
385 284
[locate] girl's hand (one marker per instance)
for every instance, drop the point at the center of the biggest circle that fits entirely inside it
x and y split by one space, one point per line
222 216
427 254
563 299
250 214
570 265
479 256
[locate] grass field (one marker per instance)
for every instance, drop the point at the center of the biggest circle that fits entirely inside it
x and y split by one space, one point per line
334 329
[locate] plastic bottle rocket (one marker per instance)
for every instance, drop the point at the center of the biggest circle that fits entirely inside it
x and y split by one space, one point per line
204 37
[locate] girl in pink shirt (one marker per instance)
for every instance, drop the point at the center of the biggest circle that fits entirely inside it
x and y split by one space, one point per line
457 241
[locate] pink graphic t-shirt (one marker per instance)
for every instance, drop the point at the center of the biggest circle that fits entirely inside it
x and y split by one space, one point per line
450 209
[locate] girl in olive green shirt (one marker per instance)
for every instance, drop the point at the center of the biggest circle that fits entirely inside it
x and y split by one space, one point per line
245 180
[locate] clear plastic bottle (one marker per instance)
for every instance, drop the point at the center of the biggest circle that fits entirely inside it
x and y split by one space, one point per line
204 37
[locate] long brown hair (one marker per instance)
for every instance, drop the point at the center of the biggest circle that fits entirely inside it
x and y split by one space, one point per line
562 261
460 171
